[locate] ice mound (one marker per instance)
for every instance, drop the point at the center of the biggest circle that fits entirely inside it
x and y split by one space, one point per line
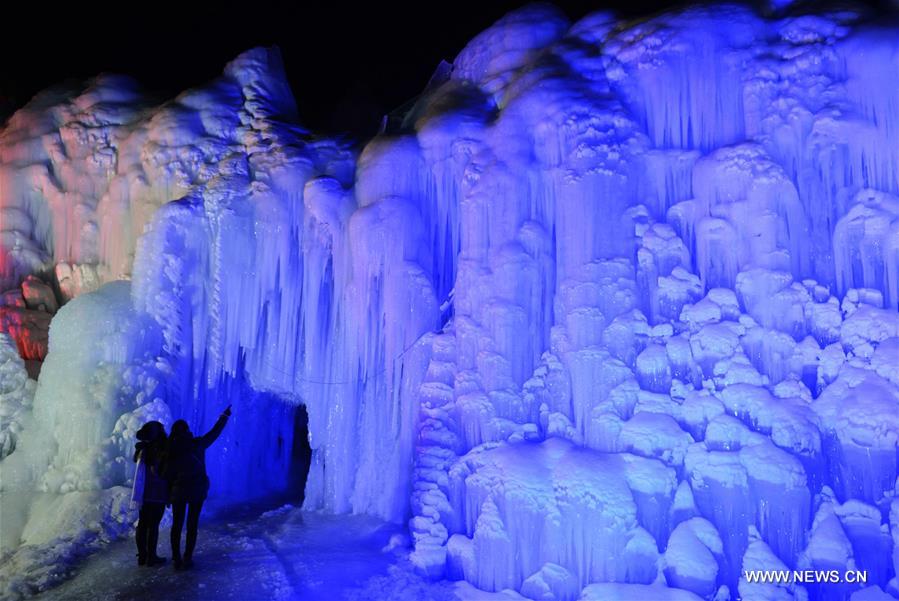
611 313
517 502
16 396
64 488
692 556
860 423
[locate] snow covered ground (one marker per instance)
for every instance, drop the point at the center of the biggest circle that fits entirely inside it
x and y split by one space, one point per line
284 554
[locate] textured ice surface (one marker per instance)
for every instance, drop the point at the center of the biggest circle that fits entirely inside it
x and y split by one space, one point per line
611 313
16 396
25 314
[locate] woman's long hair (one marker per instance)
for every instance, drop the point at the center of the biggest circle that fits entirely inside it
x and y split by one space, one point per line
178 444
152 441
180 429
151 432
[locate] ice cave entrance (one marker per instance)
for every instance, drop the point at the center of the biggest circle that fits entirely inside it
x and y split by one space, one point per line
265 455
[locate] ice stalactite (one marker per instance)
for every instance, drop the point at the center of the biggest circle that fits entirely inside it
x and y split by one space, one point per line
277 273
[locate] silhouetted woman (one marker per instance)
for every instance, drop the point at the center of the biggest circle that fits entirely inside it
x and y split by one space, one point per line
185 469
150 491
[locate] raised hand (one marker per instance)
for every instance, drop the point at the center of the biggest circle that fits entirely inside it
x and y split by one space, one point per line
227 411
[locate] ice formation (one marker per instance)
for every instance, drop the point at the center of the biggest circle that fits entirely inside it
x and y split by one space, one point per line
25 314
611 313
16 395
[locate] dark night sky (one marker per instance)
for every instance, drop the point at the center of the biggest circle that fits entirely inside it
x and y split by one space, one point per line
348 63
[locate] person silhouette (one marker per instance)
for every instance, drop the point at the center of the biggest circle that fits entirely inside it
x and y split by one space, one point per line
185 470
150 491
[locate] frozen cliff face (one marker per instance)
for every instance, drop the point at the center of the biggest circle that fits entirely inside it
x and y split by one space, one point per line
58 165
612 313
274 276
677 246
83 169
262 280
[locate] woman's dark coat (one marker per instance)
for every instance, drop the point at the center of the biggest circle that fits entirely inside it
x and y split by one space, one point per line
184 464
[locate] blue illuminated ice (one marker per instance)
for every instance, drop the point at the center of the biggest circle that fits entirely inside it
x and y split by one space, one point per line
610 314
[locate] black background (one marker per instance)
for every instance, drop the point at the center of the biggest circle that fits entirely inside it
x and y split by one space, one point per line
348 63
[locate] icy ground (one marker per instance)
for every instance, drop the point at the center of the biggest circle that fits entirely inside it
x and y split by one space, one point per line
284 554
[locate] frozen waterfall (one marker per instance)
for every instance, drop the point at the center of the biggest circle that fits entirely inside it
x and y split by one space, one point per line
613 313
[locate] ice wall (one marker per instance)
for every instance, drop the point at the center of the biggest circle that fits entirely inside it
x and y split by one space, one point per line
275 274
261 280
63 481
676 254
610 313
